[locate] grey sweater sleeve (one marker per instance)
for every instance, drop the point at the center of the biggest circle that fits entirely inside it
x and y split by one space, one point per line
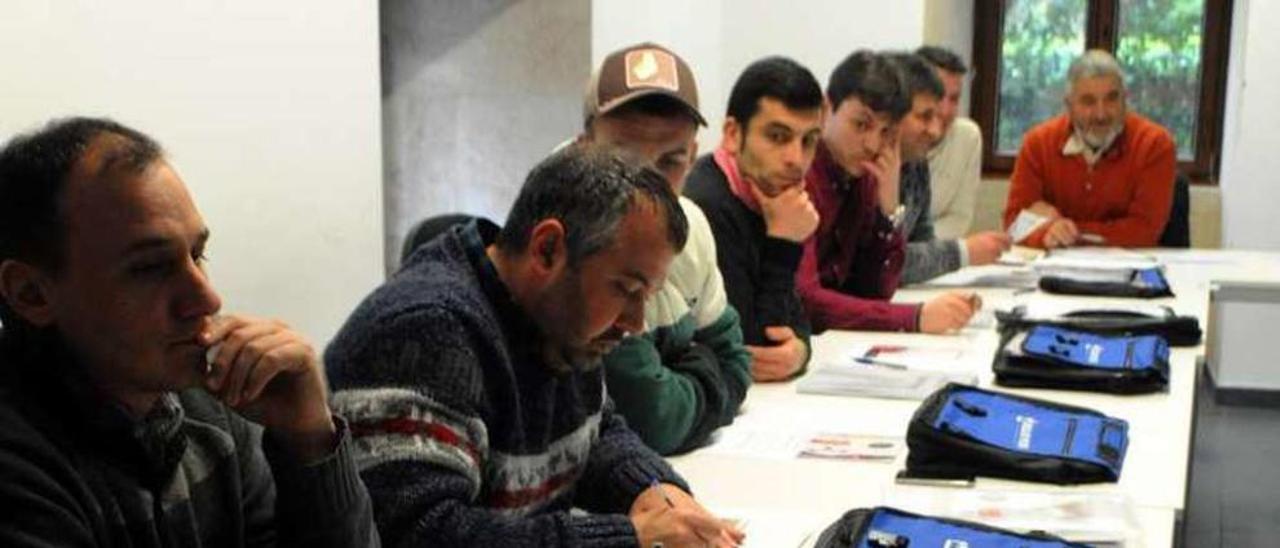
927 256
930 259
620 468
323 503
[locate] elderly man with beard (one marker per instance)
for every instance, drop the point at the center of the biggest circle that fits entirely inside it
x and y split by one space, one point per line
1100 174
473 380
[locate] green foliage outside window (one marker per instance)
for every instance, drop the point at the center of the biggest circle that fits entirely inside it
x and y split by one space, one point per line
1158 44
1041 38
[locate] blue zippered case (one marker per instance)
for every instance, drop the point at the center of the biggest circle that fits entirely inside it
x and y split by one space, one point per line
1048 356
1177 330
963 431
1146 283
884 527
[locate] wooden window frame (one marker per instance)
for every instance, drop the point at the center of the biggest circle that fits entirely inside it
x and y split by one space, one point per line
1100 32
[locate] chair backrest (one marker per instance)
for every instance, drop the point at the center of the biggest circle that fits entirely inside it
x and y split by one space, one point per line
427 230
1177 231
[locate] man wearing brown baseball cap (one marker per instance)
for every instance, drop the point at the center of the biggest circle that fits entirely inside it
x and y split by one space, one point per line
688 373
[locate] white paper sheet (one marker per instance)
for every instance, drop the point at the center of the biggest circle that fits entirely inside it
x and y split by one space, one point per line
864 381
811 443
1024 224
991 275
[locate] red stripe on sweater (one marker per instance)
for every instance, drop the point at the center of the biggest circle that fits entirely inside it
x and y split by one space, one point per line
523 497
410 427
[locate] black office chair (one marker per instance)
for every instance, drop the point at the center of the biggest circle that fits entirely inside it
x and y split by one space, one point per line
427 230
1177 231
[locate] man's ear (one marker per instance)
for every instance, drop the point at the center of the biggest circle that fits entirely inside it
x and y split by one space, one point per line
547 249
731 135
26 290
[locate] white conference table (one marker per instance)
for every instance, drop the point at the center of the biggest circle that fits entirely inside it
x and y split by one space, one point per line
813 492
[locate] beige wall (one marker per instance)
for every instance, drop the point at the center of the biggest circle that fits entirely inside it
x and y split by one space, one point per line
1206 211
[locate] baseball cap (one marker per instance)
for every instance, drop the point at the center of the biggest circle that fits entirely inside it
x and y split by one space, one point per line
638 71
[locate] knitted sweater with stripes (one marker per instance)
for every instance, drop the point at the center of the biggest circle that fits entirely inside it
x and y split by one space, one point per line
464 436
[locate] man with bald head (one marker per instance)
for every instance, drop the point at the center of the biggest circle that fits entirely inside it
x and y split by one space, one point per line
132 413
1099 173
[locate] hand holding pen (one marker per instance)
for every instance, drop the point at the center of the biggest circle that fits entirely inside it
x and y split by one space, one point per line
664 515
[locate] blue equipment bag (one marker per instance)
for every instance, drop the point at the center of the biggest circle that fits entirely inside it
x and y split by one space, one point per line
963 431
1045 356
1177 330
1146 283
883 527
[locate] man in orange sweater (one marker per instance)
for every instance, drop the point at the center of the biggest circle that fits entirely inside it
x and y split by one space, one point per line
1100 174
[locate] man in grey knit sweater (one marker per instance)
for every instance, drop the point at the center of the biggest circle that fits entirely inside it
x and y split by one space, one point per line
927 256
472 377
131 415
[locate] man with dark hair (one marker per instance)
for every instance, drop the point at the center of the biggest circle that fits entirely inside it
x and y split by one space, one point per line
927 255
131 414
955 163
473 380
688 373
852 264
752 190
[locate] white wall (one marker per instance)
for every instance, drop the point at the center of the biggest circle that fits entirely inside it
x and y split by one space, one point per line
270 111
949 24
1250 193
719 38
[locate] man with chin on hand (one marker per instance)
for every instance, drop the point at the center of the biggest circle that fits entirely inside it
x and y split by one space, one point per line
130 414
853 263
752 191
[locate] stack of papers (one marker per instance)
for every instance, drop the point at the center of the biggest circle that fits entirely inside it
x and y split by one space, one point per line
760 442
870 381
1115 268
990 275
1019 256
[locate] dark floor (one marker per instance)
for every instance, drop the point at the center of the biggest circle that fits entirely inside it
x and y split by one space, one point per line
1235 477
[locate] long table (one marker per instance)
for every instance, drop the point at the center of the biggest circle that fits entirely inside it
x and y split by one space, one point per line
812 492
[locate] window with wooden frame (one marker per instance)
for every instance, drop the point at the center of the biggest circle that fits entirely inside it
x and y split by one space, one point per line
1174 53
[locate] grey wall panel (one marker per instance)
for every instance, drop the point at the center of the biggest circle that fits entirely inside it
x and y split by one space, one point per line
474 93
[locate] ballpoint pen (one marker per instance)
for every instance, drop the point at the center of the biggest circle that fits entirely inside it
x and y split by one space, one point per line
880 363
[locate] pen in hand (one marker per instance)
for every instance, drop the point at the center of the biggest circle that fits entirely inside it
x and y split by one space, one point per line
653 482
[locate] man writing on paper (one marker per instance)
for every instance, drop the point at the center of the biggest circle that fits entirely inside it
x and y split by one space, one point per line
1097 174
473 383
752 190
